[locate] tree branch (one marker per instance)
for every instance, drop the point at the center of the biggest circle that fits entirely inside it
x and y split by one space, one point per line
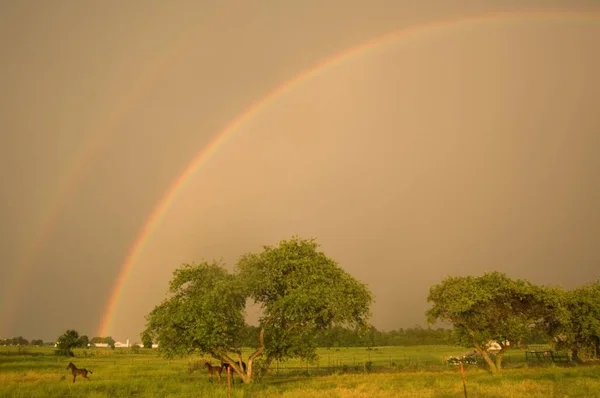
261 345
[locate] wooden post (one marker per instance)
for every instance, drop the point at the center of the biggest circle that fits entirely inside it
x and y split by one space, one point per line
229 382
462 372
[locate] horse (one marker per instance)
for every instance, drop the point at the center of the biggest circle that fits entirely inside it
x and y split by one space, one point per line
225 366
75 371
212 370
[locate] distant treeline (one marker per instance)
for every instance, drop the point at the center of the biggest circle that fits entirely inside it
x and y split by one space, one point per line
22 341
341 337
334 337
82 341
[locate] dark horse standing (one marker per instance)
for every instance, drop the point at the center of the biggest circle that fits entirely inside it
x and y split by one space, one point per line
225 366
214 370
75 371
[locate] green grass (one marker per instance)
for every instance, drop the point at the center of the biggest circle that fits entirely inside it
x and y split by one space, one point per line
396 372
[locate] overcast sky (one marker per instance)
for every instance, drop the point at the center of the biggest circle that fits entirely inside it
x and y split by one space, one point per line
453 149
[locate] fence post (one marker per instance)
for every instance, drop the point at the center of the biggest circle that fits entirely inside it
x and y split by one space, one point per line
229 382
464 381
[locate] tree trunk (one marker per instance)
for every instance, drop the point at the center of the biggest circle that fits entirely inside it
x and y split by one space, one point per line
236 366
245 375
575 355
499 357
268 362
487 359
256 354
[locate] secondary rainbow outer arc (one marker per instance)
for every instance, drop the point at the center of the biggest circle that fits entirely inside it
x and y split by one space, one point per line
141 86
222 137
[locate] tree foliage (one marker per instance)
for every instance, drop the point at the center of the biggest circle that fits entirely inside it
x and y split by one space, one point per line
95 340
110 341
300 290
203 313
146 340
582 330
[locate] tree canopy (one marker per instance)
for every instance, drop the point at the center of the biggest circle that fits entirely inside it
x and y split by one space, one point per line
300 291
488 308
203 313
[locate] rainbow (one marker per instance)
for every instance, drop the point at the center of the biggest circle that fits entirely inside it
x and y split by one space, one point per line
227 133
99 139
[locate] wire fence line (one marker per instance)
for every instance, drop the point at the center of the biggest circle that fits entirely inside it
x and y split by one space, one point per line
336 361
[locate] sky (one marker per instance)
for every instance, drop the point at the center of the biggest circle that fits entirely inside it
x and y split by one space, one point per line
413 141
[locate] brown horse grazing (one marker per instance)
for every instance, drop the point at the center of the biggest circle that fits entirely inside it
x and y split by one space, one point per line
75 371
214 370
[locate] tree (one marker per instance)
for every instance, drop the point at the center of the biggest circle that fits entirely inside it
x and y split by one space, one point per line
67 342
489 308
20 340
301 292
96 339
37 342
583 328
84 341
146 340
110 341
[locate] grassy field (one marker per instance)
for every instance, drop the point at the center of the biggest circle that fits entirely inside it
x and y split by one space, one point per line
392 372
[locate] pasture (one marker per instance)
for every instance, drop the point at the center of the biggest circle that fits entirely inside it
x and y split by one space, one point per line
417 371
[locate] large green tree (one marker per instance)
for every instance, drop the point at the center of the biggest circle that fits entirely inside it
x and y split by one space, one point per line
300 290
488 308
